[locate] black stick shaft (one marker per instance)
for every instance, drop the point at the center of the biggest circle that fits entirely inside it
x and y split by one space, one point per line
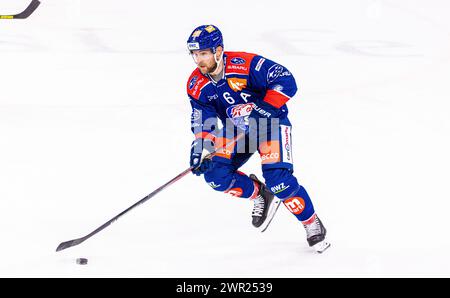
77 241
74 242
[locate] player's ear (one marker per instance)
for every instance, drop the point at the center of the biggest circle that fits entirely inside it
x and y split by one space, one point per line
219 51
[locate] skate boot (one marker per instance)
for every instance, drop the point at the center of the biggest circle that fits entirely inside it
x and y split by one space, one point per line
266 205
315 233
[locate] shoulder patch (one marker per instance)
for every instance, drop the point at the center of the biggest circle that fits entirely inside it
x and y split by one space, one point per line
259 64
239 62
195 83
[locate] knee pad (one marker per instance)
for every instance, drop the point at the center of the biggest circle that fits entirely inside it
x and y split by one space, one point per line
220 177
281 183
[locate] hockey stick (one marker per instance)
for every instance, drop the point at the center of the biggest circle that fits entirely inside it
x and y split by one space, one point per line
77 241
24 14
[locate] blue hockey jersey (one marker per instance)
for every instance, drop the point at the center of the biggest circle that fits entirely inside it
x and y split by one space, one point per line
248 79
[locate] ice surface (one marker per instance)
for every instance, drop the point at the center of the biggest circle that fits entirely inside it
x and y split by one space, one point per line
94 116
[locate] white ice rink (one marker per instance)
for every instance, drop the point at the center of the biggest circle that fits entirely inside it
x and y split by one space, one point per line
94 116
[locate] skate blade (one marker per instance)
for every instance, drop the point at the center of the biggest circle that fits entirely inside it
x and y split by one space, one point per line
321 246
270 214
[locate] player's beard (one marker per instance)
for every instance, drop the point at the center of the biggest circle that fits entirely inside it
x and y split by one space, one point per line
210 69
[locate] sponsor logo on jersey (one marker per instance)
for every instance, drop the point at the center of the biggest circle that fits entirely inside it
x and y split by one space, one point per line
237 67
196 114
213 185
224 152
262 112
270 157
235 192
295 205
259 64
210 28
237 60
279 188
285 73
239 114
192 82
286 143
270 152
237 84
197 86
278 88
224 147
274 72
212 97
240 110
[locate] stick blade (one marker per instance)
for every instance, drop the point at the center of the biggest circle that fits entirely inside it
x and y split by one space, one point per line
70 243
28 11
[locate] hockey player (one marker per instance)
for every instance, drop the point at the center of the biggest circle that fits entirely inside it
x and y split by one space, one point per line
250 92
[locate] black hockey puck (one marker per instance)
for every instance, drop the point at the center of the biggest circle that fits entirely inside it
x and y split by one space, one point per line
82 261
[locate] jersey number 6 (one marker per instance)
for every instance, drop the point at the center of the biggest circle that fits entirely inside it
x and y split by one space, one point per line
228 98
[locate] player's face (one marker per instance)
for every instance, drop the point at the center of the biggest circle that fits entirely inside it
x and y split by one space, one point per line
204 60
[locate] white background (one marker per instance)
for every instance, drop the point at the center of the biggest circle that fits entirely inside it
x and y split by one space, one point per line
94 116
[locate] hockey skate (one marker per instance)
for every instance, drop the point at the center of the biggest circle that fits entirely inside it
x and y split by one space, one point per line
266 205
315 234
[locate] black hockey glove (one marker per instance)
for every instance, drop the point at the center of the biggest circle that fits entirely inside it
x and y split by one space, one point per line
199 149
